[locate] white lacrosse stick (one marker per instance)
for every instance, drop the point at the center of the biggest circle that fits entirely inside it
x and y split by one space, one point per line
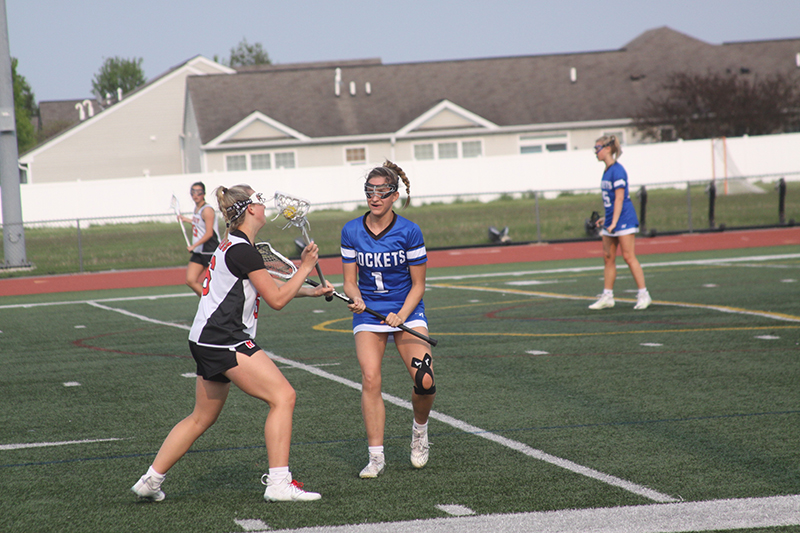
294 209
177 208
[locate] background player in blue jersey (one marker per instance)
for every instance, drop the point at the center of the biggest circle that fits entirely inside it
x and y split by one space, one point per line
205 237
619 225
384 262
222 342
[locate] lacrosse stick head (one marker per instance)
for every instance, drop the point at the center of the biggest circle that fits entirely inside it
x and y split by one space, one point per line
293 208
277 265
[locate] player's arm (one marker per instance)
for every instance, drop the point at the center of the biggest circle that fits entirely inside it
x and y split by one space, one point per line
277 295
350 271
414 296
619 198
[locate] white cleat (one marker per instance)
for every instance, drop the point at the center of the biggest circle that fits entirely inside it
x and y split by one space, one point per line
643 301
148 489
605 301
287 491
419 448
374 468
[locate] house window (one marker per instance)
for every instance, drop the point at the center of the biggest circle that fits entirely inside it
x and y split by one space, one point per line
260 162
355 155
423 151
539 143
284 160
448 150
236 162
471 149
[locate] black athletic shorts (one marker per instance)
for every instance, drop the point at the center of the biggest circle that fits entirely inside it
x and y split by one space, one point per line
200 259
212 362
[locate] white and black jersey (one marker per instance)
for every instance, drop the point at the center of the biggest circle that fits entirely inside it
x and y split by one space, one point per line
199 229
228 312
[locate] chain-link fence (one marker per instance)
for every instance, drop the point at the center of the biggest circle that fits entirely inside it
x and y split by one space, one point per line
153 241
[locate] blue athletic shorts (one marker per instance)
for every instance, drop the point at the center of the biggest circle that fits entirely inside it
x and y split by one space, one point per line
367 322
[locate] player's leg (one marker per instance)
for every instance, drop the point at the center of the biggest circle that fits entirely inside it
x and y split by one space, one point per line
195 272
606 299
209 400
627 244
370 347
258 376
416 354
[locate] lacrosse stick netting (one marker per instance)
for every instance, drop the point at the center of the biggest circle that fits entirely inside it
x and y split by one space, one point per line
294 209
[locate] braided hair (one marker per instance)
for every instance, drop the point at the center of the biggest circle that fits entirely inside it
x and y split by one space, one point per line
393 175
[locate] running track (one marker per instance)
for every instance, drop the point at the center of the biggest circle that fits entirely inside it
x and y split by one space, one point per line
690 242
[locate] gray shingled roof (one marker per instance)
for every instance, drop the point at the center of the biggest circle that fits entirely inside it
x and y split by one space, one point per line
508 91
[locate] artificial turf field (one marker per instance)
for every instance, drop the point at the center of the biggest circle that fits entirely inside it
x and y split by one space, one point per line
544 410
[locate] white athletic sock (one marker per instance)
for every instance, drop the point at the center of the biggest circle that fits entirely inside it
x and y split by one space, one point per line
642 292
608 292
376 451
279 474
155 475
421 428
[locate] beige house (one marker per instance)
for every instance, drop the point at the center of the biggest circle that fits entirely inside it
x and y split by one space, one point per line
205 117
329 114
140 135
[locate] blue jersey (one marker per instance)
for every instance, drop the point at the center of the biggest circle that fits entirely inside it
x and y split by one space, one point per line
383 262
615 178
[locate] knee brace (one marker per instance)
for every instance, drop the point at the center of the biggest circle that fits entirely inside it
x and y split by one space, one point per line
423 367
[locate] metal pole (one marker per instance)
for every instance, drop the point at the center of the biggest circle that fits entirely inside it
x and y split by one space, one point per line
781 201
712 198
13 232
643 208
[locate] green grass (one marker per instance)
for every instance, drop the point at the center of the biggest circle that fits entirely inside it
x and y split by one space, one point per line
462 223
685 400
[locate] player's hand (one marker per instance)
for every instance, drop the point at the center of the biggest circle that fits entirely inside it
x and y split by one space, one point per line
394 320
327 290
610 228
357 306
190 248
599 222
309 256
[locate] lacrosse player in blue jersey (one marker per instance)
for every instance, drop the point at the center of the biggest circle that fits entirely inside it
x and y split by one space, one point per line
619 225
384 263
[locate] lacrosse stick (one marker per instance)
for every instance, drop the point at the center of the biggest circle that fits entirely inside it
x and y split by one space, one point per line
281 267
294 210
177 208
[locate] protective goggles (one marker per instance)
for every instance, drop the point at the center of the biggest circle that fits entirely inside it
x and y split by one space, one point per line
382 191
598 147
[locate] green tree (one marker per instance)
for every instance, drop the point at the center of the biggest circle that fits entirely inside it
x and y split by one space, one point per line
24 109
246 54
703 106
116 72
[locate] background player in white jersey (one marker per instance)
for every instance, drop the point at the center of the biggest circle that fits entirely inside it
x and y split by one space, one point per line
384 262
205 237
619 224
222 342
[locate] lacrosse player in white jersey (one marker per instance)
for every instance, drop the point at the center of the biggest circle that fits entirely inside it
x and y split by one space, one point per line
205 237
222 342
384 264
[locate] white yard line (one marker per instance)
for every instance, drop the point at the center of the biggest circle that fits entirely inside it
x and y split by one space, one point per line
22 446
680 517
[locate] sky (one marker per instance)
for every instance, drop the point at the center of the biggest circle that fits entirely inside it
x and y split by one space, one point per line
61 44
